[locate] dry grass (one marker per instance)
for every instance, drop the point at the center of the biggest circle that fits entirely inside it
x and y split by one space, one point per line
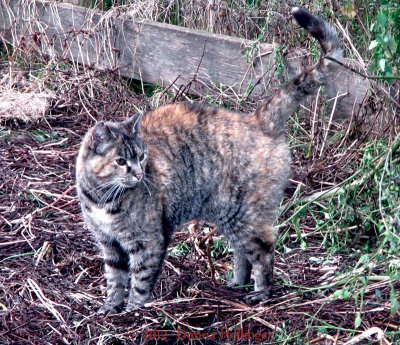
52 281
24 106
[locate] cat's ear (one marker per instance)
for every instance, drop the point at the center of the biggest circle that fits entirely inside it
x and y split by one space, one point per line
133 123
101 137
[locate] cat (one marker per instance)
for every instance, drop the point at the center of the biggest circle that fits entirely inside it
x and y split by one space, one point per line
139 179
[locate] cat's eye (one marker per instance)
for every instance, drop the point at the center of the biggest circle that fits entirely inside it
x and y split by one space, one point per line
142 157
120 161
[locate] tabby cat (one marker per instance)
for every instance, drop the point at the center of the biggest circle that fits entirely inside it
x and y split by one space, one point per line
140 179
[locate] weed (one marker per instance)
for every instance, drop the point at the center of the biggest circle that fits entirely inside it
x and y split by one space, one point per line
386 43
181 249
42 136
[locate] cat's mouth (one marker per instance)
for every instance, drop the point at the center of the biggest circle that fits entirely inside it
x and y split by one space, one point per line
131 181
139 177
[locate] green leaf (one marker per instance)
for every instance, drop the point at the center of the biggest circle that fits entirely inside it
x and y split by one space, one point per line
388 71
372 27
382 66
392 45
363 259
323 330
342 199
396 16
394 307
382 19
346 294
287 250
373 44
357 321
338 293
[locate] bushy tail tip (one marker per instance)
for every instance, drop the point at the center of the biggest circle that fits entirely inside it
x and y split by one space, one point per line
319 29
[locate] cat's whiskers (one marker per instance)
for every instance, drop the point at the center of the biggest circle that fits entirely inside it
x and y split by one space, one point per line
147 187
149 181
119 188
120 195
107 194
102 186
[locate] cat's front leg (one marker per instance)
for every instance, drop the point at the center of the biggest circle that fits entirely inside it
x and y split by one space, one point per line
146 259
116 262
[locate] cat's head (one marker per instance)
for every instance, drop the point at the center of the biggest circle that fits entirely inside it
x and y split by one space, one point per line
113 153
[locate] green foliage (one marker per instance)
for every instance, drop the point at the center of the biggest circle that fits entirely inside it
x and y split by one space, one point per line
43 136
250 53
181 249
107 4
220 247
385 46
278 57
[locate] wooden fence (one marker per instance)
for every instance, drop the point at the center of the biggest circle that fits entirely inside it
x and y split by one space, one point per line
155 52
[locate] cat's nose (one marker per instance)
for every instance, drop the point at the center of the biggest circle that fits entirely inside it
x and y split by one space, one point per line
139 176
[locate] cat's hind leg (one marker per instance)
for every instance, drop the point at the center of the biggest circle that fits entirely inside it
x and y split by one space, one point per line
259 247
254 247
241 268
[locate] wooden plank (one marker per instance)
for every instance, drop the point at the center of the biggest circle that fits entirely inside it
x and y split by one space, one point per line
158 53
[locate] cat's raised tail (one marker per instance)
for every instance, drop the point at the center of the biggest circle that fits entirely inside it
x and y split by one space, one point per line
320 30
273 114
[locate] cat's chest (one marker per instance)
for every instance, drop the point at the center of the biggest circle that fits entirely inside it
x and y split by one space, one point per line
101 219
101 215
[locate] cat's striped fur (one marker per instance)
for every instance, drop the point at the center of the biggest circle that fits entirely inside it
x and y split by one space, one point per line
140 179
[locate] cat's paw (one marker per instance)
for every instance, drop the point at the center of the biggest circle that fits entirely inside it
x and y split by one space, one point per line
136 301
259 296
133 306
108 308
233 283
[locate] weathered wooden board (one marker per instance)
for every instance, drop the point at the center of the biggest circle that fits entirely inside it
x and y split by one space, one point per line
157 53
